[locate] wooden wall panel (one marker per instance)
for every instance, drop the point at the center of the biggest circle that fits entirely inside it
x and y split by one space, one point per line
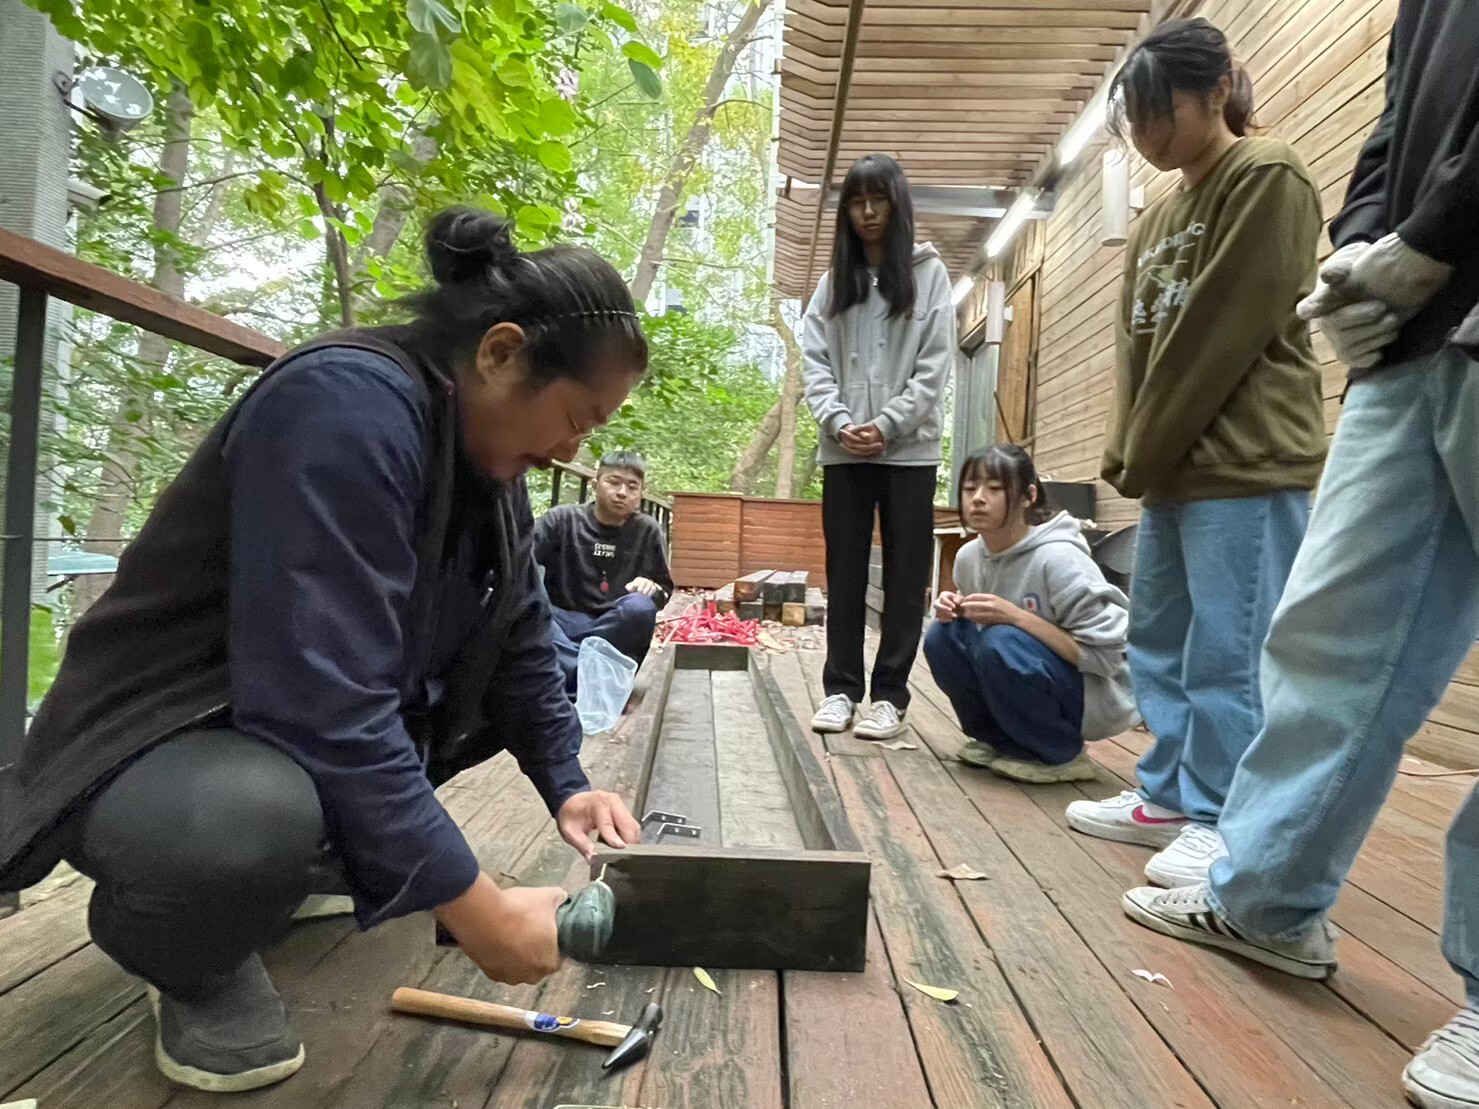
783 535
705 539
1317 69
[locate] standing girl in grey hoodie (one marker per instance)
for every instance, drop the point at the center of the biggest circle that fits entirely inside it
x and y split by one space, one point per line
878 342
1031 649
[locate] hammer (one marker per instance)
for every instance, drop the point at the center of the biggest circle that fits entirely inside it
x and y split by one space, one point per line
629 1042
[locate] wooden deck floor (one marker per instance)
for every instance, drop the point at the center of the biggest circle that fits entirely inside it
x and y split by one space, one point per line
1051 1013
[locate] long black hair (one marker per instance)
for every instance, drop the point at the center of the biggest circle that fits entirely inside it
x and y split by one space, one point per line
569 301
1185 55
1013 467
876 175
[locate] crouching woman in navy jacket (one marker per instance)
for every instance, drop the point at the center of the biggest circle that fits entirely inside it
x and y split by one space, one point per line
331 610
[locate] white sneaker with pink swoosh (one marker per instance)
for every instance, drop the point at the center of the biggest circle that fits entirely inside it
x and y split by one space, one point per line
1128 818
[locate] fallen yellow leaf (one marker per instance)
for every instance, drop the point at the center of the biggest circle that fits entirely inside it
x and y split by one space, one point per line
935 991
961 873
704 979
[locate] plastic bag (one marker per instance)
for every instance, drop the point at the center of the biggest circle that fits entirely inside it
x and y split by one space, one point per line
604 678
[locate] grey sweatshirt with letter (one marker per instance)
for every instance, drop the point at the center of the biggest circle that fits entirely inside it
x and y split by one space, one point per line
1050 573
862 367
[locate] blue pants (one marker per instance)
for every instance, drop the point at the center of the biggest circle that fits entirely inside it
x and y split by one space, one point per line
1207 577
626 625
1009 690
1380 610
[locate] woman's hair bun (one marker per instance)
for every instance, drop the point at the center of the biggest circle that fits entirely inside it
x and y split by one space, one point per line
465 243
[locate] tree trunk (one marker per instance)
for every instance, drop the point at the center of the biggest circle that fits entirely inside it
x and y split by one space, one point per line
785 462
807 472
742 477
391 214
689 151
131 422
338 252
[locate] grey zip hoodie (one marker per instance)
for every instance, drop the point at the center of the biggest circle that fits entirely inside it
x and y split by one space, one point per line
1050 573
863 367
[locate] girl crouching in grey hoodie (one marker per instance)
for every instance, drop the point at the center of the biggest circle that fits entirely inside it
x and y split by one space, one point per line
1031 648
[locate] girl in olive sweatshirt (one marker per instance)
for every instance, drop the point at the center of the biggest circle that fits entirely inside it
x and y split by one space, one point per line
1219 430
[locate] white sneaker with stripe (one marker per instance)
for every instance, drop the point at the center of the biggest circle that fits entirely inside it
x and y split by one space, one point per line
1445 1073
1187 914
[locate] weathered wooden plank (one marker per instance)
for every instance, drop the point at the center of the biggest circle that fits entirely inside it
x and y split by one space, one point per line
790 683
748 908
748 588
43 934
1106 1050
981 1050
717 1050
848 1041
755 808
684 777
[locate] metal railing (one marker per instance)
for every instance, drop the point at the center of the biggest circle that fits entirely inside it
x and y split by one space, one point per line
659 508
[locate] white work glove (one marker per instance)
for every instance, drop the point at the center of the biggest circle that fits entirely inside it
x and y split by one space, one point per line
1332 290
1359 332
1387 270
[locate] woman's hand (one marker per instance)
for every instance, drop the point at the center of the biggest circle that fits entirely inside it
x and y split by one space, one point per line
987 609
861 440
597 811
509 934
947 607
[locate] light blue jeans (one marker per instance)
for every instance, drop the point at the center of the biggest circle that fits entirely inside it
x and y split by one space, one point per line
1207 577
1380 610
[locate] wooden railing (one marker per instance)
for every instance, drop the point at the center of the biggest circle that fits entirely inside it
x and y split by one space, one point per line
583 477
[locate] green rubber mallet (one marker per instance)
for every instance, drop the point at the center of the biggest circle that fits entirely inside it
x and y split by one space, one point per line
584 921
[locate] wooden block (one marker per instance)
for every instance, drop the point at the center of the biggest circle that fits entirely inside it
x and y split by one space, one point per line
773 591
724 599
751 610
773 612
793 615
749 908
748 587
816 606
794 591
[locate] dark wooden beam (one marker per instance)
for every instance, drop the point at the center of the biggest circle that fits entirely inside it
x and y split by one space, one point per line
30 264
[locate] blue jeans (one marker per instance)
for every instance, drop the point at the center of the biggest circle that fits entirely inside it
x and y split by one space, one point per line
626 625
1009 690
1380 610
1207 577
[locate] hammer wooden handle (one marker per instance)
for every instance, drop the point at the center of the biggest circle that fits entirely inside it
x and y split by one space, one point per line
424 1003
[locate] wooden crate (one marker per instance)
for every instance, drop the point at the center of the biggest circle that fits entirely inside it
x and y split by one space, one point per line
776 879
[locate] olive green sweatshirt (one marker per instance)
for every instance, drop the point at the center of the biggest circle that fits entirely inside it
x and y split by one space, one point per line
1218 394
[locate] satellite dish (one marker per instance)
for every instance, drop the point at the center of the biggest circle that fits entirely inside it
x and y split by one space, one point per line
117 100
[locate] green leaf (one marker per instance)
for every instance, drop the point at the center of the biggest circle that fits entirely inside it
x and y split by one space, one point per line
556 157
298 72
935 991
429 64
432 17
569 18
641 52
705 979
648 82
556 117
533 217
308 229
69 525
621 17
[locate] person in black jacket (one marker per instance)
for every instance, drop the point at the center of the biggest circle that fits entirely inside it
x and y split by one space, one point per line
1382 604
331 610
605 565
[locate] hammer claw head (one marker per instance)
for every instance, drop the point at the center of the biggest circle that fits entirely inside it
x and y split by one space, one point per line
638 1041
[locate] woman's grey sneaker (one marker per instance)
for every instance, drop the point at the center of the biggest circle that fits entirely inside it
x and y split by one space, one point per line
1187 914
236 1039
835 715
976 753
1445 1073
1079 769
882 722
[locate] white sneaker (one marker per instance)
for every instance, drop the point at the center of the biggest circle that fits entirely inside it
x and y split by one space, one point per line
835 714
882 722
1187 861
1128 818
1187 914
1445 1073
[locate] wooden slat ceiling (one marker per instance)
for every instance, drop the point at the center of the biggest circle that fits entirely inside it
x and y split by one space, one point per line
970 93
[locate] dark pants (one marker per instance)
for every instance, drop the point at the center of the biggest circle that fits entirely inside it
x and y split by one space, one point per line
202 849
627 626
1009 690
904 498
